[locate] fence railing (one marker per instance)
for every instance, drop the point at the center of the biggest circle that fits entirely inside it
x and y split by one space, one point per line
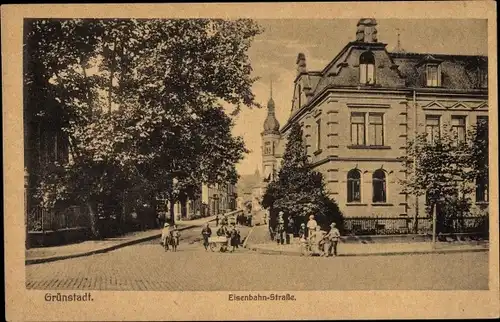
405 225
42 219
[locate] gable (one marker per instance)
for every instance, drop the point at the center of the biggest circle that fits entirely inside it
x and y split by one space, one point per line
454 105
345 69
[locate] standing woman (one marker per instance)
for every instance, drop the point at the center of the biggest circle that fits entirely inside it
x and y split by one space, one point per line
311 226
233 235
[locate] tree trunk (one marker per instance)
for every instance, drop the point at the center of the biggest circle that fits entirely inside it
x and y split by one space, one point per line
183 201
111 77
94 221
171 208
434 223
415 218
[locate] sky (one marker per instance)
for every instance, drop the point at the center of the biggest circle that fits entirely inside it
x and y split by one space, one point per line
273 54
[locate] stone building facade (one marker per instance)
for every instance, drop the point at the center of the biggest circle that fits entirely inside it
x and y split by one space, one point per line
358 112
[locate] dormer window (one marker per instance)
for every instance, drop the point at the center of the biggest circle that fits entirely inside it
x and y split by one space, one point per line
433 75
477 69
482 78
367 68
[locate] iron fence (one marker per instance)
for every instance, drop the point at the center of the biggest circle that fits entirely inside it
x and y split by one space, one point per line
42 219
405 225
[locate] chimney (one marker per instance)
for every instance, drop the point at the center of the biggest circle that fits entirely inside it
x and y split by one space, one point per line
367 30
301 64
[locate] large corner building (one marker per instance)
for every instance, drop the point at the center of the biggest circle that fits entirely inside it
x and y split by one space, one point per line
358 112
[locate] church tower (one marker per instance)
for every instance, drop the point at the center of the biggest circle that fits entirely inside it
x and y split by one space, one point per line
270 139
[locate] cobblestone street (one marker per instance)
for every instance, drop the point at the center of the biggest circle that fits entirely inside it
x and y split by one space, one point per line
146 266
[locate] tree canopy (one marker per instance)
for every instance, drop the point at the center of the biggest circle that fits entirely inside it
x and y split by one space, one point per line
445 171
298 190
140 102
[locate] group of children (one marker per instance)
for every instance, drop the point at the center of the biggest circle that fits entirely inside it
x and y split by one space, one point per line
314 240
232 234
170 237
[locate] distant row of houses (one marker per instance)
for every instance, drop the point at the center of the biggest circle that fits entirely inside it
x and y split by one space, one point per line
214 199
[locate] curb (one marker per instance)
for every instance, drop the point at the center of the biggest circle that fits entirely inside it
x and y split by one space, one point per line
98 251
248 237
437 251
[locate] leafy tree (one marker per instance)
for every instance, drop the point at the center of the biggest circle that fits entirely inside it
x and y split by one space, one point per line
444 171
299 191
137 100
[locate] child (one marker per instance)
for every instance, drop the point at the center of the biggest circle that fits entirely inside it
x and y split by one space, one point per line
175 236
333 239
233 235
303 238
315 241
165 236
206 232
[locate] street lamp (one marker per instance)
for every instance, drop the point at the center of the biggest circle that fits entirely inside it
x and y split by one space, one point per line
26 184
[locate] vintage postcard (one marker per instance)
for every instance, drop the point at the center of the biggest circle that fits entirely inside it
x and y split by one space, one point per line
250 161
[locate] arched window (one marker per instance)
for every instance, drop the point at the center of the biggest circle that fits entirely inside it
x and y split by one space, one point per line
267 148
354 186
379 186
367 68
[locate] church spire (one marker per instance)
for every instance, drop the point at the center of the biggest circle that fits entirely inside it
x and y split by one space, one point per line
271 124
271 88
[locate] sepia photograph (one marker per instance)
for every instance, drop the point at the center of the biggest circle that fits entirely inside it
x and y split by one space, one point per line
257 157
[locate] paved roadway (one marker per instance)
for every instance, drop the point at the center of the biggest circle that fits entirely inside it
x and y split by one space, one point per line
147 267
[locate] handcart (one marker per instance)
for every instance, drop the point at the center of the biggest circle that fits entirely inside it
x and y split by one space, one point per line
219 242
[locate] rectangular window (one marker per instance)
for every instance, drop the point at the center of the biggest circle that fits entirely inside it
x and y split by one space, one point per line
482 190
433 75
376 129
458 127
432 128
358 128
318 134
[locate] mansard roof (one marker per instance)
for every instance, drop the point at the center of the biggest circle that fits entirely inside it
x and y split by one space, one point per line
458 71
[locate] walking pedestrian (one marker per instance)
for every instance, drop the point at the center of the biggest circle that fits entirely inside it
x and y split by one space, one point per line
217 220
238 238
233 238
175 237
206 232
165 236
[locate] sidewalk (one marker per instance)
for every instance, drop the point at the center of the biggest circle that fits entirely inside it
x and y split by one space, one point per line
90 247
345 249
